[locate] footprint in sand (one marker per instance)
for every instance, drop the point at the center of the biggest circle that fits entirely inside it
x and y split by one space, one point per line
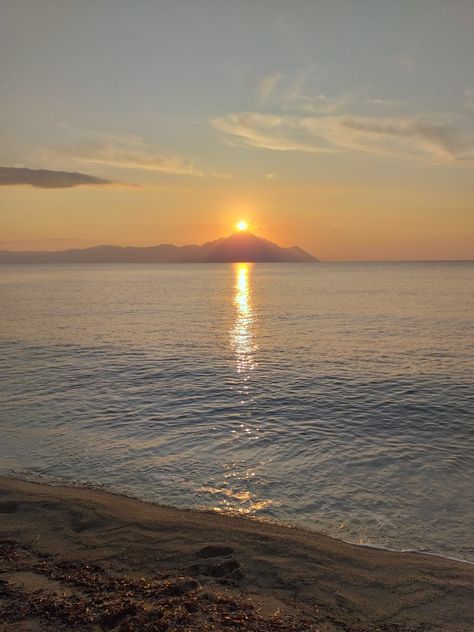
226 570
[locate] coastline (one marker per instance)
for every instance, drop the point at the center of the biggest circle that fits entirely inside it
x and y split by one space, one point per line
53 481
215 567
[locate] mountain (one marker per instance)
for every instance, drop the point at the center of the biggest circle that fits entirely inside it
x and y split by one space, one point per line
240 246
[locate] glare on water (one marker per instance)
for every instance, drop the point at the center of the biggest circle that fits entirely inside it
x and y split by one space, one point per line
242 334
236 495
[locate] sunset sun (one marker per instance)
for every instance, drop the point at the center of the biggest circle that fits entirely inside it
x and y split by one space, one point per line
242 225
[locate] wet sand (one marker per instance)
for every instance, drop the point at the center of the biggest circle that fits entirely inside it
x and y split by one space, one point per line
82 559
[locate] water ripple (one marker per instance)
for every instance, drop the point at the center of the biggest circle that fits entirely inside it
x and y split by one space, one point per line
338 397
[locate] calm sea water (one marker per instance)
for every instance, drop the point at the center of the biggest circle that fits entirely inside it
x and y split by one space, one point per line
338 397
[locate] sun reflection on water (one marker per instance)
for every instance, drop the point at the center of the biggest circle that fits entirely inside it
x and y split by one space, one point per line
236 492
242 334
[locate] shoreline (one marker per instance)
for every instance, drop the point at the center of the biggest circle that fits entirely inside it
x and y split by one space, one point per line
51 481
276 575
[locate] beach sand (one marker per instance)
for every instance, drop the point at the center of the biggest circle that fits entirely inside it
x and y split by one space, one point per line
81 559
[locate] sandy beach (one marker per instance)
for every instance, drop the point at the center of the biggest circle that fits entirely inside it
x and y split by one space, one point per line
82 559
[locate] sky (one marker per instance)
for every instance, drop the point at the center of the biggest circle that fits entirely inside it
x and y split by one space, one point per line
344 127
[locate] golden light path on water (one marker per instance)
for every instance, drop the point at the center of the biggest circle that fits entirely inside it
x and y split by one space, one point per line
242 334
235 495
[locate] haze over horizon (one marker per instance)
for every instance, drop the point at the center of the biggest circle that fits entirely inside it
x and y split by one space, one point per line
344 128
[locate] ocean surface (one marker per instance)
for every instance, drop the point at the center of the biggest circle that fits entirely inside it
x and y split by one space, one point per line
338 397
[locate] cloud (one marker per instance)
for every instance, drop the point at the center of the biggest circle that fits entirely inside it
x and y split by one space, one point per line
389 103
267 85
437 139
319 104
403 136
127 152
267 131
46 179
306 120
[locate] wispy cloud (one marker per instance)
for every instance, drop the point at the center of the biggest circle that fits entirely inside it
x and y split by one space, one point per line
319 104
307 121
127 152
438 139
294 93
386 103
267 85
47 179
268 131
302 92
304 120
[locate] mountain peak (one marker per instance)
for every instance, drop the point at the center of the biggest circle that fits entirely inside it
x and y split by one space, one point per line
244 246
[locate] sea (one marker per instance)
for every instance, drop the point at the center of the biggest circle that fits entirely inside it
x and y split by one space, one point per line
337 397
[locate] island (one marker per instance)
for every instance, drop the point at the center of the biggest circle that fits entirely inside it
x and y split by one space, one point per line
241 246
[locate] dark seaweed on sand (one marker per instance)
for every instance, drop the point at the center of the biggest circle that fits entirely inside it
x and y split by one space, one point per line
95 599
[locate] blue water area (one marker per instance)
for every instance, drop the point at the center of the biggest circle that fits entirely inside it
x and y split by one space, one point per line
338 397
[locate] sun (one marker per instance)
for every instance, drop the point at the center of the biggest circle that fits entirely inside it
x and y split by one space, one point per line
242 225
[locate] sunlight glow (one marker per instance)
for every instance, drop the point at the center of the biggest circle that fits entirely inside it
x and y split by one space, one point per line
241 334
242 225
236 493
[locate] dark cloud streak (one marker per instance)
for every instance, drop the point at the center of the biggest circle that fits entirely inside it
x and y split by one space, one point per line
47 179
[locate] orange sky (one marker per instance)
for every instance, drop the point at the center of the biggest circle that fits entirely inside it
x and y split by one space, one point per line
332 223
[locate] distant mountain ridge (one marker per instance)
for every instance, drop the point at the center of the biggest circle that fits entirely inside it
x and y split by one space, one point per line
240 246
